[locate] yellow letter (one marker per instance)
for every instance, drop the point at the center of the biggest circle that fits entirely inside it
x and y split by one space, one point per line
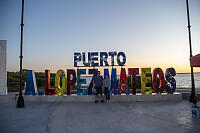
146 81
60 90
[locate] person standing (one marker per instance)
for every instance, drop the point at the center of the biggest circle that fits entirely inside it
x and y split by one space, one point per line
107 85
98 84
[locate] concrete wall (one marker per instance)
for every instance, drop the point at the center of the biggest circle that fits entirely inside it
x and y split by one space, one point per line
3 70
115 98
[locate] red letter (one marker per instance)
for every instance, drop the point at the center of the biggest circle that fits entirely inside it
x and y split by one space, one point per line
48 91
158 88
133 72
123 86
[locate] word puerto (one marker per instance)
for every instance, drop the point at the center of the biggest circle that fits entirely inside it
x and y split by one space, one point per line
94 58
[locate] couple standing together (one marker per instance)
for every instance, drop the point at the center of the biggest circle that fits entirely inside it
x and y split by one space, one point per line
101 84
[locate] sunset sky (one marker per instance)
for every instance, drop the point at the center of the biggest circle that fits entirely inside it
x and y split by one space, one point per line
152 33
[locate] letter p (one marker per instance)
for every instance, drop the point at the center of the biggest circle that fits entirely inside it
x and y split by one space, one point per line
77 58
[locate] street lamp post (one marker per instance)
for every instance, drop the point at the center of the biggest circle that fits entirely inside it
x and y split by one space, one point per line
193 97
20 101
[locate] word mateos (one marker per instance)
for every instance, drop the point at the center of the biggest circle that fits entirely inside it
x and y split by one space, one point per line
63 83
93 58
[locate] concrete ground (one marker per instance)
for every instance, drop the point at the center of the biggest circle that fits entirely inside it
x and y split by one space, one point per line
31 119
63 117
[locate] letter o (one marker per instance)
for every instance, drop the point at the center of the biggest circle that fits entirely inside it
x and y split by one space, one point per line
118 58
60 90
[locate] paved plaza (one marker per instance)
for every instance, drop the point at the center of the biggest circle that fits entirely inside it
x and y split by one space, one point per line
118 117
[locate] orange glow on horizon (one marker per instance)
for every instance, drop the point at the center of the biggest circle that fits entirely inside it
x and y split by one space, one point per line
178 68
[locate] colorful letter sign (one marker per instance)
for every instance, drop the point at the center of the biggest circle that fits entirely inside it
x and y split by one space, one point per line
71 80
104 58
60 79
77 58
112 54
158 83
94 72
133 72
169 75
84 60
155 80
114 81
146 81
80 81
123 57
123 82
48 91
31 86
94 58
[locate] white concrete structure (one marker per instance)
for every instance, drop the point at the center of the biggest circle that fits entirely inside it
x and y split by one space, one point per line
3 70
115 98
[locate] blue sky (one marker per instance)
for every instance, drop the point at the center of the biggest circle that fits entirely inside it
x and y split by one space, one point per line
152 33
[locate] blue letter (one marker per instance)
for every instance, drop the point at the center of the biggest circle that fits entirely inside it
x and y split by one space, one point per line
112 54
93 58
103 58
84 60
118 58
114 81
77 58
170 72
31 83
80 81
94 72
106 72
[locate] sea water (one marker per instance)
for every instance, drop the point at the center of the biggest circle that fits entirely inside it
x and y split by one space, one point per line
183 80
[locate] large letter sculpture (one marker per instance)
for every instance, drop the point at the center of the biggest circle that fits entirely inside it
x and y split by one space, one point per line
146 86
94 58
77 58
71 80
81 81
123 57
123 82
112 54
60 75
114 81
94 72
158 83
31 85
133 72
106 72
48 91
84 59
103 58
170 72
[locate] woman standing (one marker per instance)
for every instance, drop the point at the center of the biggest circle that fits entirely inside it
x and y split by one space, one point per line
107 85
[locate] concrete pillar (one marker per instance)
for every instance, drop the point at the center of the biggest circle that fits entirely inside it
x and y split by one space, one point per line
3 70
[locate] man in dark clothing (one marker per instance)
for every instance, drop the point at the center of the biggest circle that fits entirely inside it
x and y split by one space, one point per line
98 83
